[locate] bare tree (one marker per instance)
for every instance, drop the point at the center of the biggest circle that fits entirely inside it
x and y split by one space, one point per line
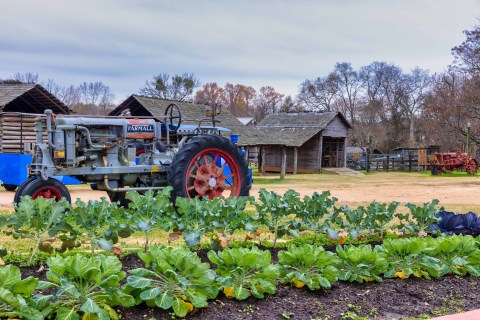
176 87
318 94
27 77
349 87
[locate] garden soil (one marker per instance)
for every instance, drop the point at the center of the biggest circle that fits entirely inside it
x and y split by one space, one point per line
391 299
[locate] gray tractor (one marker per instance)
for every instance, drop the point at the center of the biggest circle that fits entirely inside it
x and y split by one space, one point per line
118 154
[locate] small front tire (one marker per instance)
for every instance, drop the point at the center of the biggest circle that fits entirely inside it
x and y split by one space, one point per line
36 187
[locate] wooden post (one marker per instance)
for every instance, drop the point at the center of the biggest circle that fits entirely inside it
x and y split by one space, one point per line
320 151
262 154
284 163
345 153
295 159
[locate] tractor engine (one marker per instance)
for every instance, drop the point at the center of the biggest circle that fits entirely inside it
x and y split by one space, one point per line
79 145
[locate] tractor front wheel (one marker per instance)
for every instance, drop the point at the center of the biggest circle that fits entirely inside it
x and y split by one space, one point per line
36 187
209 166
9 187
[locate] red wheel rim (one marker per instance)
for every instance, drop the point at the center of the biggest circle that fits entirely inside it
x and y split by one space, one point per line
205 176
47 193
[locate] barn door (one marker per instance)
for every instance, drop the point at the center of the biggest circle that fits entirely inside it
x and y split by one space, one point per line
333 152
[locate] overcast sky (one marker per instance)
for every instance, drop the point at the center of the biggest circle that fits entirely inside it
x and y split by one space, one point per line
278 43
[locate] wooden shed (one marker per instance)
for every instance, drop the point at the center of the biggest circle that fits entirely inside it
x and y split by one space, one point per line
301 142
192 114
20 104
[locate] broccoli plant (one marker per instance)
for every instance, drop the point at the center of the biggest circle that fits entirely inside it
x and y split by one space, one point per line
173 278
379 216
277 212
99 222
420 217
86 287
351 220
16 295
317 213
308 265
149 211
197 217
244 272
42 220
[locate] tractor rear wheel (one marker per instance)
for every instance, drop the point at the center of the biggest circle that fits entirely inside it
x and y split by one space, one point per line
36 187
209 166
436 170
119 197
471 166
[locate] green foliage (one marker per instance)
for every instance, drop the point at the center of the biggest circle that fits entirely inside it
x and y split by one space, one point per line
245 272
360 263
351 220
41 220
277 212
407 257
173 278
379 216
16 294
87 286
420 217
149 211
310 265
196 217
315 213
98 221
456 254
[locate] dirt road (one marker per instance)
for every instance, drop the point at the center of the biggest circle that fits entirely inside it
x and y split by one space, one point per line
460 194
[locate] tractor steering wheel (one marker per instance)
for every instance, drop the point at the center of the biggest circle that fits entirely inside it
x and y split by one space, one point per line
173 112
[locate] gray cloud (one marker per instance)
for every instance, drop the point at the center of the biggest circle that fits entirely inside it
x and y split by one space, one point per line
278 43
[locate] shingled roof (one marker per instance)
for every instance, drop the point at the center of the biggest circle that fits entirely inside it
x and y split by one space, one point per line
29 98
191 113
291 129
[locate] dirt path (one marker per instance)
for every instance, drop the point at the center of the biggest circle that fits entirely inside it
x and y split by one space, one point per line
460 194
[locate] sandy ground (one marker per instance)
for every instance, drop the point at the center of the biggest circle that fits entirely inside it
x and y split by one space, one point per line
460 194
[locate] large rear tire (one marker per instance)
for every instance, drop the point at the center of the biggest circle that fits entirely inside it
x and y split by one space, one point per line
119 197
209 166
36 187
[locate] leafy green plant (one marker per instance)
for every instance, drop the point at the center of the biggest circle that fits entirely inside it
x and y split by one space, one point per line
360 263
245 272
409 256
379 216
420 217
308 265
173 278
99 222
16 294
351 220
277 212
87 286
42 220
232 217
457 254
149 211
316 213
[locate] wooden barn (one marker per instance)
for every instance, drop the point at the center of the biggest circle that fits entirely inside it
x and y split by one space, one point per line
192 114
301 142
20 104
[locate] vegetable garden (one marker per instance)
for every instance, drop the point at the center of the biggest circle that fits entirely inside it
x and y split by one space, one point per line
233 257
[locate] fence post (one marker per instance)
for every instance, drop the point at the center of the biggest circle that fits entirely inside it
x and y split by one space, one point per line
388 162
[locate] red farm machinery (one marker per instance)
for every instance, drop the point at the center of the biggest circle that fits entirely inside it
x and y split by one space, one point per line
444 162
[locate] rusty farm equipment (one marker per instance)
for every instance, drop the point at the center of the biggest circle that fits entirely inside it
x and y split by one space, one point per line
444 162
